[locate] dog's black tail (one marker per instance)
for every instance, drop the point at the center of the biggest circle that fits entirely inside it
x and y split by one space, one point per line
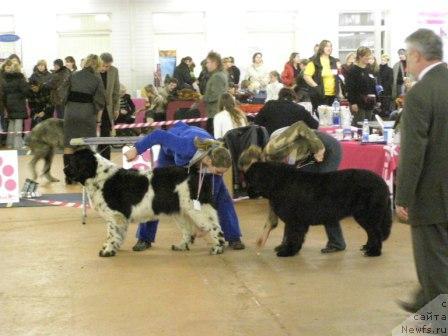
386 224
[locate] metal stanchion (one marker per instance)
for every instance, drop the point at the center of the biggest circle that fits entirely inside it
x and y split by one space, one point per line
84 206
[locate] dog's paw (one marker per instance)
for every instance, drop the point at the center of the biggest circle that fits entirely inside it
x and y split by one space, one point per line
372 252
217 250
287 251
181 247
104 253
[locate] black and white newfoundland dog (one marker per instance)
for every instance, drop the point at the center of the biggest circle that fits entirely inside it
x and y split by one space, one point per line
302 199
122 196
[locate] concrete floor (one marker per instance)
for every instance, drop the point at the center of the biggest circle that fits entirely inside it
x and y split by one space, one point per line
52 281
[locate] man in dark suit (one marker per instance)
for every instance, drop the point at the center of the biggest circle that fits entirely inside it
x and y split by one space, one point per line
111 81
422 191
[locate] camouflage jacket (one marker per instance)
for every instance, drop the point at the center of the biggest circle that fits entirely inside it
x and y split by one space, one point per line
297 141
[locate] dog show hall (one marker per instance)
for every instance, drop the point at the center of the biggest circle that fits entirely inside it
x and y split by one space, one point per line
229 169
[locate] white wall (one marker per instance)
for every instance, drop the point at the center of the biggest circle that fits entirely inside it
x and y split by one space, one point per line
132 36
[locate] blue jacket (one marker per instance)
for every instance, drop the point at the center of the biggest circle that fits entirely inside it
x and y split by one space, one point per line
177 144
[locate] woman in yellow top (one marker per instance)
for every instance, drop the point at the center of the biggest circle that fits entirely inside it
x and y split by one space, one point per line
321 75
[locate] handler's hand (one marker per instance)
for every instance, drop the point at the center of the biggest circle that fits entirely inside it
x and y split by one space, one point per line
131 154
402 213
354 108
319 156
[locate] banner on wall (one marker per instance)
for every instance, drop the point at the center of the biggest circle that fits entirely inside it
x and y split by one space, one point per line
9 177
167 61
10 44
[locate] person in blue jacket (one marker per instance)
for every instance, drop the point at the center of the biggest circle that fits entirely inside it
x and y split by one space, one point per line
184 145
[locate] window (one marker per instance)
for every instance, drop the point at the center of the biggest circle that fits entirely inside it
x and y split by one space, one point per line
362 29
83 34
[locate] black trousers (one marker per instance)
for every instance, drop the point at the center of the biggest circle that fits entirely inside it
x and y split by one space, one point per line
105 131
430 245
209 126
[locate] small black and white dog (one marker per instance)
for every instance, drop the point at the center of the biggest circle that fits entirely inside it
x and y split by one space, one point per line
302 199
122 196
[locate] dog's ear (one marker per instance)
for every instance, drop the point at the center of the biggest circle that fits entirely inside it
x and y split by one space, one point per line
83 165
249 156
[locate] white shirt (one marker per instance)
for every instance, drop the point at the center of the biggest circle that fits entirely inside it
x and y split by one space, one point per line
222 123
258 77
427 69
272 90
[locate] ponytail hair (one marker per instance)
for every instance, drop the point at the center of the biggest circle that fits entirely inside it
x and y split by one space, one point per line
227 102
219 155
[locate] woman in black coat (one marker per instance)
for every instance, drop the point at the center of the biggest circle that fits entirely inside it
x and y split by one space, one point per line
58 79
203 78
386 80
15 90
183 74
283 112
360 84
40 73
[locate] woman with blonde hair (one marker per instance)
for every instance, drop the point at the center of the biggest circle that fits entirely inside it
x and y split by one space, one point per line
84 100
349 60
193 147
70 63
229 118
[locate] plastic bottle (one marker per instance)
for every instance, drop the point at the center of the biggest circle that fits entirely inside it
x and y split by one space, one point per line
365 131
336 107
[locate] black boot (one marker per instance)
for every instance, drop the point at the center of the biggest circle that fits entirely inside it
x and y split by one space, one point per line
66 163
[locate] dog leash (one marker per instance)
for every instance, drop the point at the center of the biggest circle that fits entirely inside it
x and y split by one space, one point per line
201 181
306 164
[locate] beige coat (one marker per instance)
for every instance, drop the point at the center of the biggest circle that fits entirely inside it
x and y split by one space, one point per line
113 94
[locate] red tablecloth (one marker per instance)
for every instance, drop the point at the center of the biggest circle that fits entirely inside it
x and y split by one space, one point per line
380 159
251 108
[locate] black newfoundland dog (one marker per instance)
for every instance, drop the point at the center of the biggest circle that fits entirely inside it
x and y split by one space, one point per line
122 196
302 199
